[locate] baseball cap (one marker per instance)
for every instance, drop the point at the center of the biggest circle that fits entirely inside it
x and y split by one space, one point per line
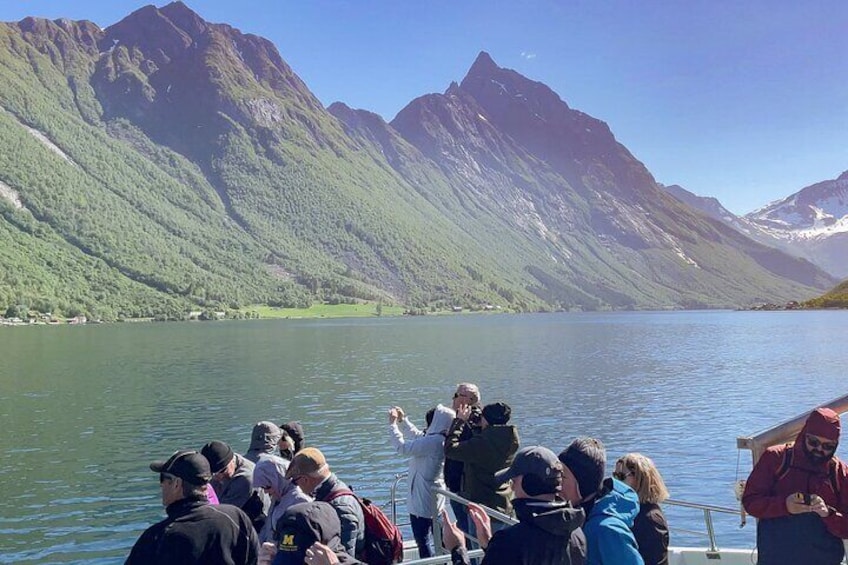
189 466
305 462
533 460
302 525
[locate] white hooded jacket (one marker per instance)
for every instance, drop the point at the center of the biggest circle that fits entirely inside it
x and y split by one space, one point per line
427 458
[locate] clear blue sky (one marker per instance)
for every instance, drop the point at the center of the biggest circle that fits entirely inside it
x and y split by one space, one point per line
746 101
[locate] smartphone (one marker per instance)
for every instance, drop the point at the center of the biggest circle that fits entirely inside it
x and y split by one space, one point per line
803 498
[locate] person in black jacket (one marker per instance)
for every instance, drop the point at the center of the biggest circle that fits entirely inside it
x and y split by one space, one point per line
650 527
194 532
548 531
467 394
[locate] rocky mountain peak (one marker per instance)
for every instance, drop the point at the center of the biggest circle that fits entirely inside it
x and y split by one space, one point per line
536 117
65 34
149 30
483 65
486 80
185 18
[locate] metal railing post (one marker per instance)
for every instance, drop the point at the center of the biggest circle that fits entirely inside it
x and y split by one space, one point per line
708 521
398 478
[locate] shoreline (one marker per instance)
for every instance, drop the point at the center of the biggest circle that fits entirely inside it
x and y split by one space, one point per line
346 311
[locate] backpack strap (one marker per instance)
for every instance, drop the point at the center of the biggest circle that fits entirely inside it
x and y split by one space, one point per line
832 476
341 492
786 464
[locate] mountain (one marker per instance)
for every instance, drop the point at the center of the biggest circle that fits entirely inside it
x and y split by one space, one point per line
836 297
812 223
557 175
166 163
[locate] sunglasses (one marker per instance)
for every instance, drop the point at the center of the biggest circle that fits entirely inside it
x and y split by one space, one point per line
621 476
165 478
816 443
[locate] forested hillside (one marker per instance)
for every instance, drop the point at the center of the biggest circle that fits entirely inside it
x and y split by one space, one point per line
166 164
837 297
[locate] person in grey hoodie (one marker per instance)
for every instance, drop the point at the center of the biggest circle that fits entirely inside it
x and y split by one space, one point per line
263 440
426 452
270 476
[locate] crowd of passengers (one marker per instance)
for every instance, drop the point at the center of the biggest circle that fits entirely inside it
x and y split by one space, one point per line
280 503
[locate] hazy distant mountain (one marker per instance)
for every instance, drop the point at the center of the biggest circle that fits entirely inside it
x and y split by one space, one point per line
167 163
812 223
706 204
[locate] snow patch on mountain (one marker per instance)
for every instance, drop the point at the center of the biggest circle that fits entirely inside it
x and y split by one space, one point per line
816 212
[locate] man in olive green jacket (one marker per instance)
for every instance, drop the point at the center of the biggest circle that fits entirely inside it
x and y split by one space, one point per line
484 454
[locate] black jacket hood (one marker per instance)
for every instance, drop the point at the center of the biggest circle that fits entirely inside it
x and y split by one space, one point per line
556 518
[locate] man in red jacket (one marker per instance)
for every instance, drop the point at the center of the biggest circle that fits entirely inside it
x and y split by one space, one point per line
799 494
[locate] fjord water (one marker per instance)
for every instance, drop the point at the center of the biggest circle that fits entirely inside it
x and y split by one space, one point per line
83 410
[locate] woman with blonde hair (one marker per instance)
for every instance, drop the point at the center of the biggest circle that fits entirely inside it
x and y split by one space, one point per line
650 527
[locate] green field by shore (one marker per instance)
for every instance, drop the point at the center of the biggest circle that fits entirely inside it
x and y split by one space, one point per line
329 311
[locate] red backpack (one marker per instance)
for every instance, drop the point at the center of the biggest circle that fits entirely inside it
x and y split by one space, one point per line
383 540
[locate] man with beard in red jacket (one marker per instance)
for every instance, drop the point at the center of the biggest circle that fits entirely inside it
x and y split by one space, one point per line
799 495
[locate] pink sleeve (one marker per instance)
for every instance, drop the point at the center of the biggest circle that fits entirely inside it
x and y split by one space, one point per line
210 495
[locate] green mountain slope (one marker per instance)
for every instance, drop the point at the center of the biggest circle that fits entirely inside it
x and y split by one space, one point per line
837 297
166 164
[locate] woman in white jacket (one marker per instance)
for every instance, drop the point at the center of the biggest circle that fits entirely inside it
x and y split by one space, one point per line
426 451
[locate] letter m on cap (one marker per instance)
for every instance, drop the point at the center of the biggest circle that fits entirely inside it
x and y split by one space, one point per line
288 539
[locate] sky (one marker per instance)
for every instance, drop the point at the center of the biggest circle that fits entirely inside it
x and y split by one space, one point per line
744 101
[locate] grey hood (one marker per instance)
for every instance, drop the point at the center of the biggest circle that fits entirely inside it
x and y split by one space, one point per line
442 418
263 439
271 472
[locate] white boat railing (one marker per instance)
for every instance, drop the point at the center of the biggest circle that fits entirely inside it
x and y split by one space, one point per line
712 551
708 510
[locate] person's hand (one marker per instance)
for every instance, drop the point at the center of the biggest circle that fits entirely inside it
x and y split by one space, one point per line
393 414
483 524
267 552
463 412
452 536
401 414
818 506
320 554
795 504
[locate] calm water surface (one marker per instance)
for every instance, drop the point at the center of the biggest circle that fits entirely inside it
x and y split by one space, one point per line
83 410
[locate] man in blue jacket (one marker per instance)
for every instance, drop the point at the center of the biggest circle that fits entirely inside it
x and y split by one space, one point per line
610 505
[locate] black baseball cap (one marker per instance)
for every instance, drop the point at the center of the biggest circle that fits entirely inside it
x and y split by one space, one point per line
533 460
189 466
303 524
